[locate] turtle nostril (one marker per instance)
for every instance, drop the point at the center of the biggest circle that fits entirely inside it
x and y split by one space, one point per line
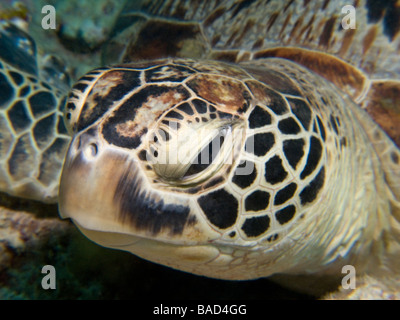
91 150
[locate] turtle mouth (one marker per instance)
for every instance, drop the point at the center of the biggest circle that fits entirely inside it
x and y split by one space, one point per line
154 250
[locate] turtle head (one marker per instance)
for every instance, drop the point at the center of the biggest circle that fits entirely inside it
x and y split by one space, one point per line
145 147
182 163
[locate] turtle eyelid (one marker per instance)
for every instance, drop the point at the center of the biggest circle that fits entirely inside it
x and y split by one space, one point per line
207 155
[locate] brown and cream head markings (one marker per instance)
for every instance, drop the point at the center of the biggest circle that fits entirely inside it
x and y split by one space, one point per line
208 167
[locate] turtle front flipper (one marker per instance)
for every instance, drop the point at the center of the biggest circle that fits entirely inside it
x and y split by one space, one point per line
369 288
33 138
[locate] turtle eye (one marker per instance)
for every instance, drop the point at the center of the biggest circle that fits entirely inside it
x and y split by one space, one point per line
189 157
206 156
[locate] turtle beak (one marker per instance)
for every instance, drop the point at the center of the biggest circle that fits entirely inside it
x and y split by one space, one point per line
90 175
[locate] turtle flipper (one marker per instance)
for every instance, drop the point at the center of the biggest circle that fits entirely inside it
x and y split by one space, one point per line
369 288
33 139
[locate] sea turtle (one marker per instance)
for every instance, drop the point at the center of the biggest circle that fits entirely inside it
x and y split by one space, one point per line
231 139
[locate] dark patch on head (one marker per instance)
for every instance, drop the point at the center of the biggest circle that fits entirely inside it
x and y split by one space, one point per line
174 115
274 170
80 86
277 105
288 126
310 192
142 155
19 116
285 194
321 128
127 112
315 130
256 201
193 190
294 151
302 111
71 106
286 214
146 213
200 105
259 117
213 182
86 78
261 143
186 108
244 180
95 72
72 95
314 155
173 73
224 115
232 234
7 91
394 157
43 130
41 103
255 226
220 208
100 104
333 123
